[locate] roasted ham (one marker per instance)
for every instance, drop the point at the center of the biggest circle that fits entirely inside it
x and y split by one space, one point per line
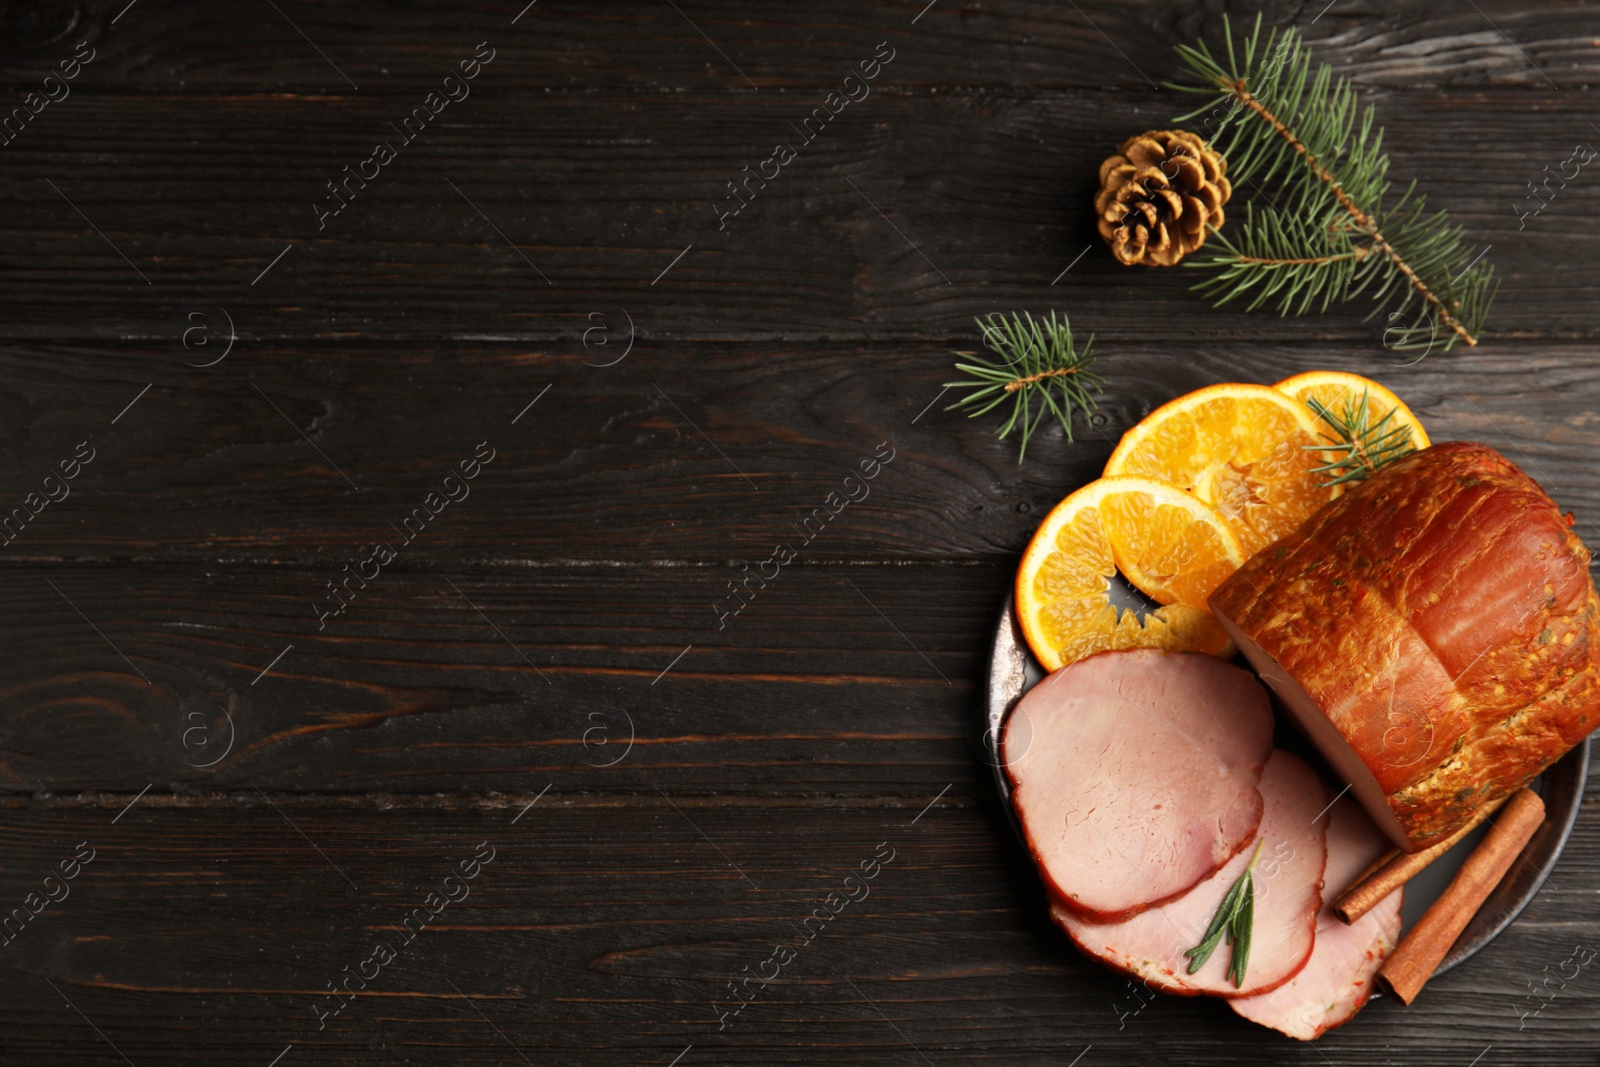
1434 631
1337 980
1134 775
1288 896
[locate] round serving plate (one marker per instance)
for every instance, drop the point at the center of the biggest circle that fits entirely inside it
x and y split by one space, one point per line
1013 671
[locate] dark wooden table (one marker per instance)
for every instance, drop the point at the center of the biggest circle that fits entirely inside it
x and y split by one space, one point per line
540 284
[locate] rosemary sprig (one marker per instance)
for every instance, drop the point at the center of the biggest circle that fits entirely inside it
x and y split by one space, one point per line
1040 372
1363 447
1234 920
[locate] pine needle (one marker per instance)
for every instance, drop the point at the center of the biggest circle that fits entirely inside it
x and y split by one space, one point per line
1039 372
1328 228
1362 447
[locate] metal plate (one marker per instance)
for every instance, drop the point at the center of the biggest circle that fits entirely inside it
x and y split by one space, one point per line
1013 671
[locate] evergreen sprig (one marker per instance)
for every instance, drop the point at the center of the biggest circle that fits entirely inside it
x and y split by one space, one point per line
1235 920
1039 372
1327 227
1362 447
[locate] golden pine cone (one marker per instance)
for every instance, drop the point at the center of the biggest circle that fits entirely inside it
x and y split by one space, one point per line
1157 195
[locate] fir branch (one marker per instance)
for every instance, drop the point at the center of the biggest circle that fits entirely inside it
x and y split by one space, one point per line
1361 447
1040 372
1333 230
1234 920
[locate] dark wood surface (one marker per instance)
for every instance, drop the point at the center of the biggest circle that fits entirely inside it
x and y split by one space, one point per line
255 831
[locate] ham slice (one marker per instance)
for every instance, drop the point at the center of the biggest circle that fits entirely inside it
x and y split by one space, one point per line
1134 775
1288 895
1337 980
1434 631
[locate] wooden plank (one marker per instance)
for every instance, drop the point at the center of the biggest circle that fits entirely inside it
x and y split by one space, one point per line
647 459
607 930
832 680
220 47
517 218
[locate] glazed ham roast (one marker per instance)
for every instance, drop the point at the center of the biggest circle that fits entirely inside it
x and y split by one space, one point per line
1434 631
1134 775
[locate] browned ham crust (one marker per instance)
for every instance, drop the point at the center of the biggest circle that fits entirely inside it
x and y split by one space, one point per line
1434 631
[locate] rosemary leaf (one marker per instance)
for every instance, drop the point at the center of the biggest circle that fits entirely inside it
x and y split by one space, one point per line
1233 920
1221 924
1225 911
1202 952
1244 927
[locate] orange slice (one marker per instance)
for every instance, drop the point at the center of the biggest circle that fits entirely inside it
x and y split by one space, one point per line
1171 545
1335 389
1241 448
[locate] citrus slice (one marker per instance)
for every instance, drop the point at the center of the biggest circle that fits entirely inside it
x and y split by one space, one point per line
1170 544
1335 389
1248 450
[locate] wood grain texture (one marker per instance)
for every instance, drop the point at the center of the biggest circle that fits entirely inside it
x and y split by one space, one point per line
413 690
513 217
604 929
219 47
643 460
504 657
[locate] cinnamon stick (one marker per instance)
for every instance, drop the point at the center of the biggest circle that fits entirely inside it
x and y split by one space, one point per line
1425 945
1397 868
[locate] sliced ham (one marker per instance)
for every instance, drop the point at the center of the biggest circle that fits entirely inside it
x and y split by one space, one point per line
1337 980
1288 896
1134 775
